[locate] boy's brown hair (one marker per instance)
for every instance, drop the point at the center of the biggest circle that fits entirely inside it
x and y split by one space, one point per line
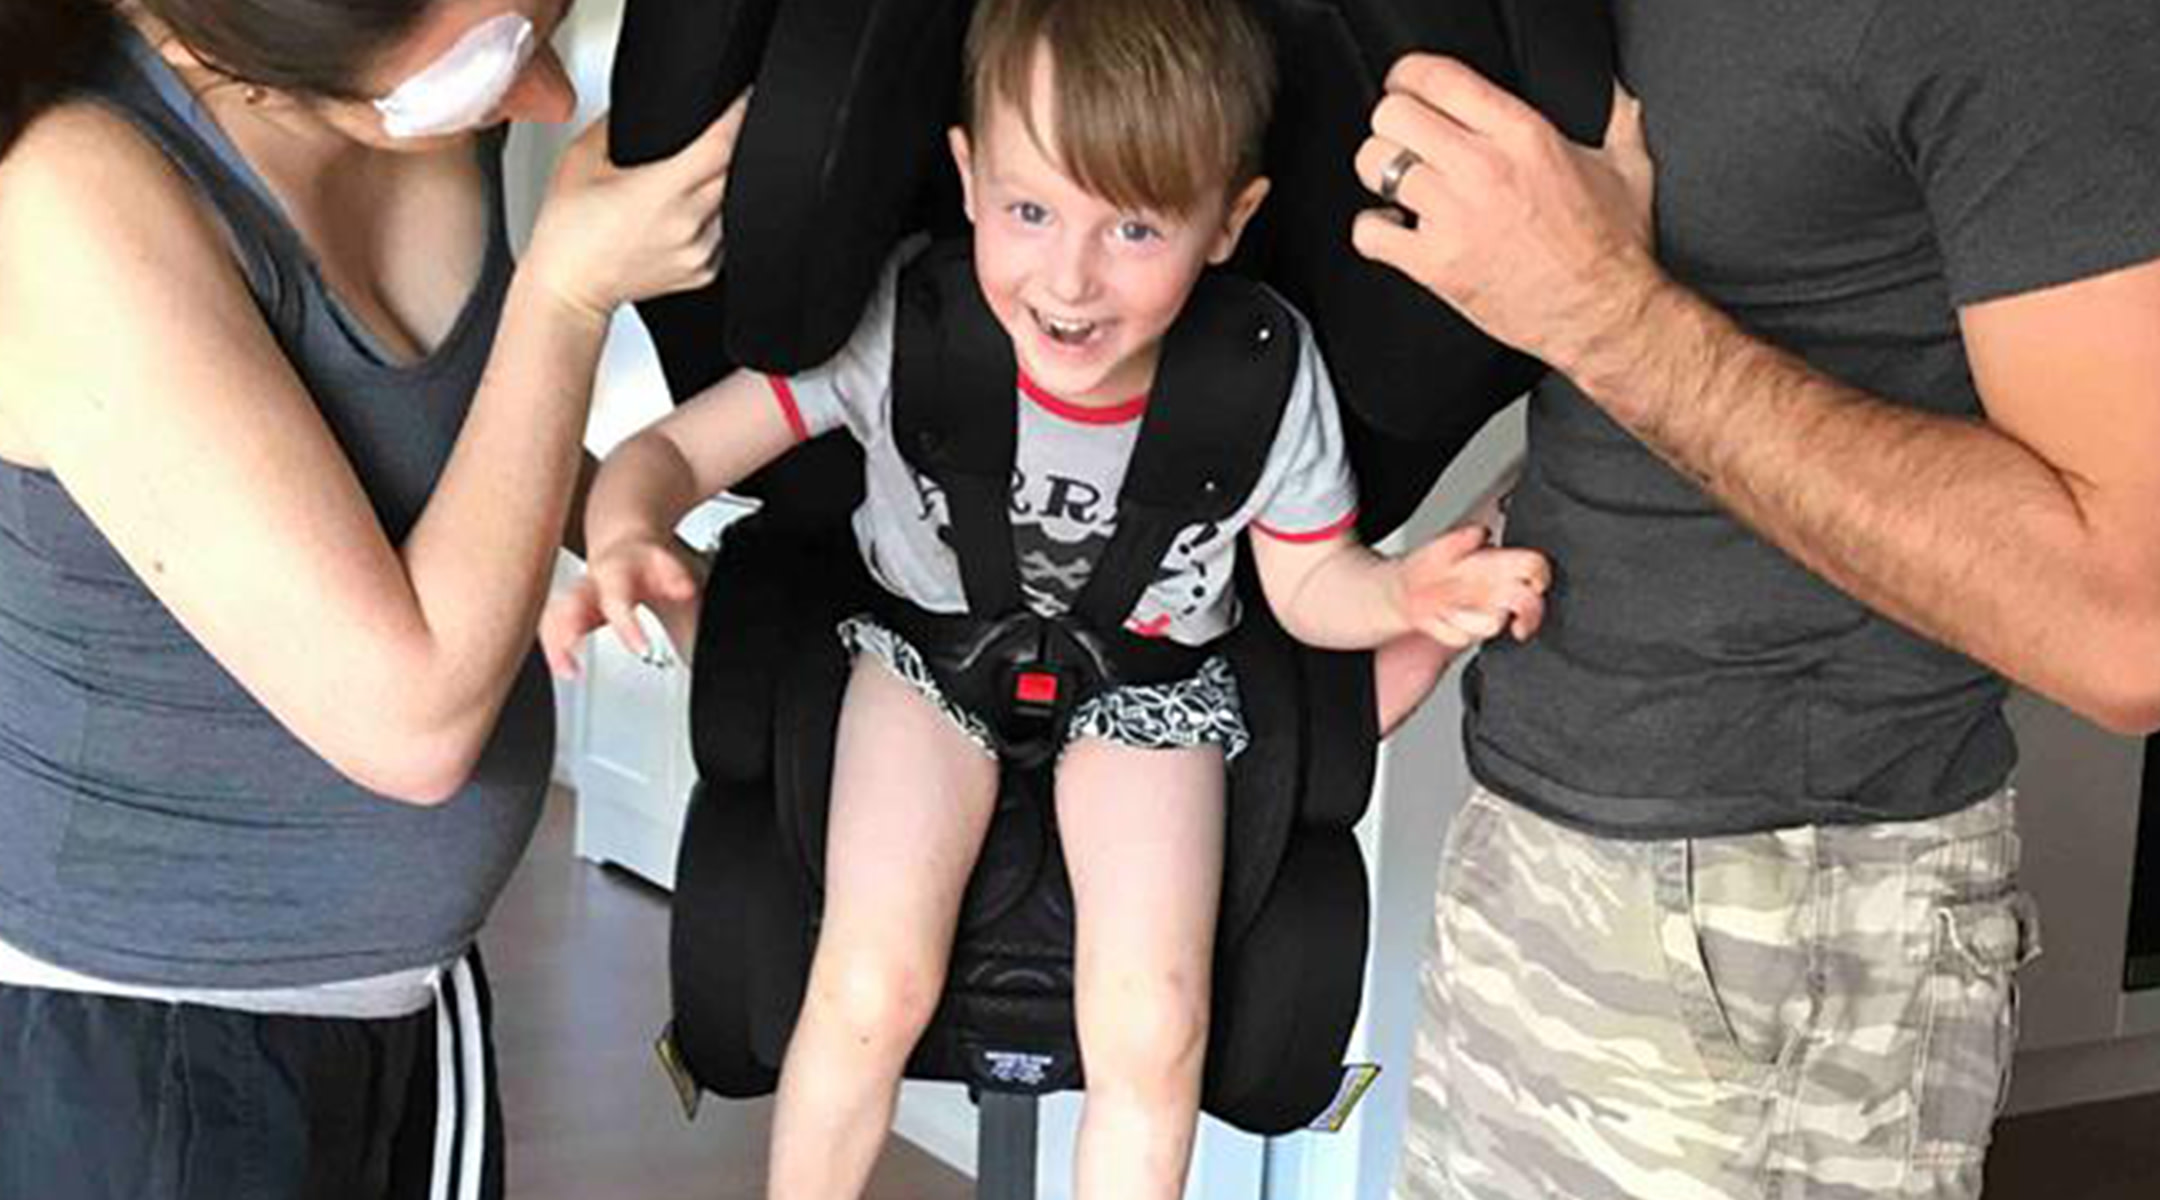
1156 102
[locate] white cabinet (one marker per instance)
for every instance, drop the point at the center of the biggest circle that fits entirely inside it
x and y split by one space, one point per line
632 771
629 727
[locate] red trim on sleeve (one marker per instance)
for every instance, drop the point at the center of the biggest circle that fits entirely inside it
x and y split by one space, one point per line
1107 414
785 393
1159 627
1311 535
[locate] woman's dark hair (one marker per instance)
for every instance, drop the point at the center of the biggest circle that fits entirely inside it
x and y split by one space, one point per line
304 47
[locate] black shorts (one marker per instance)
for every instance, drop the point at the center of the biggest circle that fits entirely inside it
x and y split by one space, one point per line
104 1098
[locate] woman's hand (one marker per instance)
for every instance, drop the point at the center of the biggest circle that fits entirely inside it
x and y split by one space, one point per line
658 574
607 235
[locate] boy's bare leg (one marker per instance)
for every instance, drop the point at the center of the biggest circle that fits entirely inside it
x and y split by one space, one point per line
1143 833
911 799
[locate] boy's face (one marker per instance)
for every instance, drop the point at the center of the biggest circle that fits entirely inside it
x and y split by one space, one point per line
1085 289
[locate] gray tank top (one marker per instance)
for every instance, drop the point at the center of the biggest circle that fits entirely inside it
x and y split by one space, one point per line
157 825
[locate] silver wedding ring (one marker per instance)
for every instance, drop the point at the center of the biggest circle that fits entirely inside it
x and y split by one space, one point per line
1391 175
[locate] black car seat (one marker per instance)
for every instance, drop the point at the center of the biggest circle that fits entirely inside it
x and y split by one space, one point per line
842 155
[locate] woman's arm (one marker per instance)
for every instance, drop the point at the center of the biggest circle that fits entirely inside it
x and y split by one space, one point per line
134 363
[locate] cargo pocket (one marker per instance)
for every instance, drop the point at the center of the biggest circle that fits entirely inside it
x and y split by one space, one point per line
1744 999
1969 1031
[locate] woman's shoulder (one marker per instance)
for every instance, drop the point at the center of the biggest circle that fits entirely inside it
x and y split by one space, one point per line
99 232
84 174
92 211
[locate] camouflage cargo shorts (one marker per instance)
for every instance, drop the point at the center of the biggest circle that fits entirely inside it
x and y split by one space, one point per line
1824 1013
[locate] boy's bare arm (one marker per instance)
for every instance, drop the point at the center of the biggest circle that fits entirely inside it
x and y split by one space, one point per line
1338 594
707 445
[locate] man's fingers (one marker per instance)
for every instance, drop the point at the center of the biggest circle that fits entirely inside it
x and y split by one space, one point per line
1456 90
1624 127
1417 185
1627 146
1380 235
1406 121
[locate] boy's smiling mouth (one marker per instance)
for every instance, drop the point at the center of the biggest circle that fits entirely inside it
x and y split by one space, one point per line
1065 331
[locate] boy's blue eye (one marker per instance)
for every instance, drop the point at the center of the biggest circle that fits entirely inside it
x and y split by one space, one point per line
1137 231
1028 212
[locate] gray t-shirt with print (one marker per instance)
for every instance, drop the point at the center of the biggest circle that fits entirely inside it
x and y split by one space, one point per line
1069 466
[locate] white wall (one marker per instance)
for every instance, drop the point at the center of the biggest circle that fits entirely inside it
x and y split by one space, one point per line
1423 779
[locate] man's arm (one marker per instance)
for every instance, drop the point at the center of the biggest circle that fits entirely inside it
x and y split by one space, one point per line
2030 541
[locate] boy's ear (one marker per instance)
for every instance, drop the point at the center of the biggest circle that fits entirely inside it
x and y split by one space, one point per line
963 157
1236 215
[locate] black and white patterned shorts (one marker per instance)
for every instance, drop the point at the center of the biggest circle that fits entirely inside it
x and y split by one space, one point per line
1199 710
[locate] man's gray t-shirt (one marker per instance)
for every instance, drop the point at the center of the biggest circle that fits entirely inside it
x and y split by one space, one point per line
1069 465
1840 176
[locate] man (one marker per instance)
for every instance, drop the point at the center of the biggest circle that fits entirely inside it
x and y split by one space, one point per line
1866 420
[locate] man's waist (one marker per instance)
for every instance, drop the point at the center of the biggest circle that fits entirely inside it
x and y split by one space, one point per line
1706 753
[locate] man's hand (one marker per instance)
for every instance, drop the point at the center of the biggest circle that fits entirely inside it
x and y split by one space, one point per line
1543 244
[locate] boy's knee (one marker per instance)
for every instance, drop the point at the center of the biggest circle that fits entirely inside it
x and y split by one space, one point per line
1148 1035
884 1003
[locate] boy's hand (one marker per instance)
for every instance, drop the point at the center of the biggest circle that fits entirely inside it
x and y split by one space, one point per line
570 615
657 574
1459 592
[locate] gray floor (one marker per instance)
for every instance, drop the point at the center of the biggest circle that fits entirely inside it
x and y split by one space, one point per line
578 957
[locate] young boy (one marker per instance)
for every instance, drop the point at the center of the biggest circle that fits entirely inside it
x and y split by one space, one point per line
1110 155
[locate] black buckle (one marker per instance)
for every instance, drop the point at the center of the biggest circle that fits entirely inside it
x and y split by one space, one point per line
1024 673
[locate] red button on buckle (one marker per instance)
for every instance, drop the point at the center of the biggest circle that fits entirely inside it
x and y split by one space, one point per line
1035 687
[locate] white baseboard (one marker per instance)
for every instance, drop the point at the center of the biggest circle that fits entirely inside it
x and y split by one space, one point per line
2084 1074
940 1118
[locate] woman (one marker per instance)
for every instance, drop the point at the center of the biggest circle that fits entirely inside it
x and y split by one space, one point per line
286 450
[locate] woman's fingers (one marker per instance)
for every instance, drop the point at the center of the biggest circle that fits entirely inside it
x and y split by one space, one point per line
709 155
